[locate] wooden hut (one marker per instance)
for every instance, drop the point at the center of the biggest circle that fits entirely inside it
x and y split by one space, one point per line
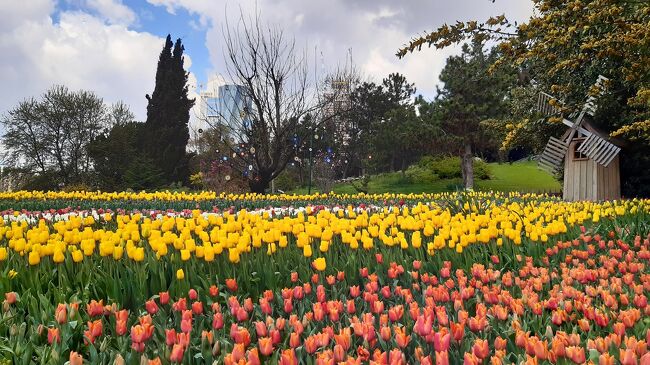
586 179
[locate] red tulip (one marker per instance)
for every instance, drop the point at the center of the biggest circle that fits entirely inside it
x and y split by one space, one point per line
217 321
192 294
163 297
11 297
213 290
197 307
275 336
441 340
170 336
231 284
176 354
151 307
260 329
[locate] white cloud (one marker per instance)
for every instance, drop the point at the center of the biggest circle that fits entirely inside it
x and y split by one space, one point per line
113 11
15 13
374 30
80 51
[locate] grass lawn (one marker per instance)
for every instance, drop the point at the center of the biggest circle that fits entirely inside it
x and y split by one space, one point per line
520 176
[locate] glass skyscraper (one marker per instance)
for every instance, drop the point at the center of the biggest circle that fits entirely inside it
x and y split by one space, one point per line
226 105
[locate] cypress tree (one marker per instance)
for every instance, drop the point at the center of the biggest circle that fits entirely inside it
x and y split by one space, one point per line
166 132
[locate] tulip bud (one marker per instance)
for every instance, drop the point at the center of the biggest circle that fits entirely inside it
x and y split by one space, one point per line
119 360
104 345
216 348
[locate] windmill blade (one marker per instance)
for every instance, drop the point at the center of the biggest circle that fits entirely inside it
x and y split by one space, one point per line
590 106
553 155
598 149
544 105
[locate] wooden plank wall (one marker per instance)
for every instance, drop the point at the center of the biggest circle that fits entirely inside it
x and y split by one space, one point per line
609 181
587 180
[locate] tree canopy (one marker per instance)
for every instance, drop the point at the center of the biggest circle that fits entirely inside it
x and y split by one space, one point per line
561 50
165 134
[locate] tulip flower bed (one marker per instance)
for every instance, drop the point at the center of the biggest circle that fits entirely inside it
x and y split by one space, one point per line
474 278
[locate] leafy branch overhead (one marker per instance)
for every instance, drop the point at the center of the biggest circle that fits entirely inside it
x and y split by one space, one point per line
561 50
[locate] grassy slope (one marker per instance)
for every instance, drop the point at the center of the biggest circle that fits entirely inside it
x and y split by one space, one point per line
521 176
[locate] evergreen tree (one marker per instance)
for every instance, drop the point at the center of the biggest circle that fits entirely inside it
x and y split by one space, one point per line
471 95
166 131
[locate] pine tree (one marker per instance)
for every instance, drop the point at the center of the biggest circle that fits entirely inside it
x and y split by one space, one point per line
166 131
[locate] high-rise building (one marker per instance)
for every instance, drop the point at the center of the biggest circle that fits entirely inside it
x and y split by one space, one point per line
225 105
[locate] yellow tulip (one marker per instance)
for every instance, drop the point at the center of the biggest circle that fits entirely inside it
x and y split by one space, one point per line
58 256
319 264
77 256
180 274
3 253
34 258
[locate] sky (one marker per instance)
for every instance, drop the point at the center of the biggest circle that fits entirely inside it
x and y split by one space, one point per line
111 47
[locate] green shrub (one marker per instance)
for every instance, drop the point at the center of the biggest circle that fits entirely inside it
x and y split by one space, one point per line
287 181
482 170
449 167
420 175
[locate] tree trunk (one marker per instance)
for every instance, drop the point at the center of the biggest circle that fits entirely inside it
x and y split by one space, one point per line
258 186
467 167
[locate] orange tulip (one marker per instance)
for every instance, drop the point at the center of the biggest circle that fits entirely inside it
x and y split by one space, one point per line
76 359
481 349
606 359
288 357
442 358
311 344
11 297
266 345
231 284
500 343
339 353
53 335
457 331
576 354
401 338
61 314
628 357
384 333
471 359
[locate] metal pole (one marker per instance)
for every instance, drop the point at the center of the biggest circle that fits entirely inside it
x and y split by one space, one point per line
311 145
